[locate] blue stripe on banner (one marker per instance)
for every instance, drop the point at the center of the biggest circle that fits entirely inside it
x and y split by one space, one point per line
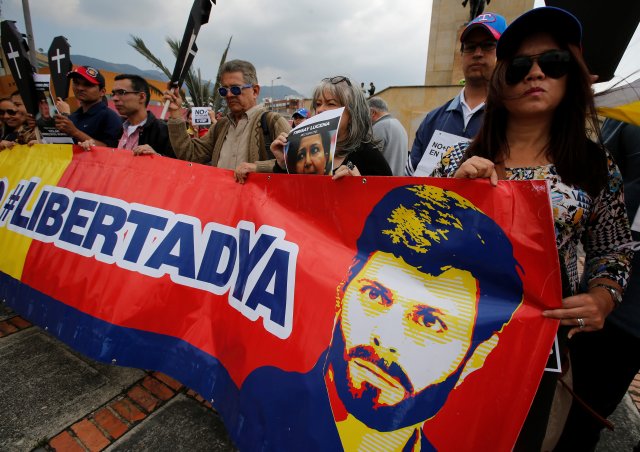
123 346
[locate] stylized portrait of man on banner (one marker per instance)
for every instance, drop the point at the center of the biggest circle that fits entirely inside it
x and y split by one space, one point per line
418 311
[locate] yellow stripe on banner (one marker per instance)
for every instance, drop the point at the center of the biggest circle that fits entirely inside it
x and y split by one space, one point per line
628 113
45 161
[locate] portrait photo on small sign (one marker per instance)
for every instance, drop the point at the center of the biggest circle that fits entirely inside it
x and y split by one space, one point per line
311 146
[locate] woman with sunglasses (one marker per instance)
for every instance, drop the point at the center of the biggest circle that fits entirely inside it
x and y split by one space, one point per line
13 123
538 110
357 153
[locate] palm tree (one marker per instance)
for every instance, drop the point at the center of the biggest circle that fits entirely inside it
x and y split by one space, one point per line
202 93
217 99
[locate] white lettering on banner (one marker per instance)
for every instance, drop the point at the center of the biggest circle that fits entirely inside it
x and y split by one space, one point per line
255 268
440 142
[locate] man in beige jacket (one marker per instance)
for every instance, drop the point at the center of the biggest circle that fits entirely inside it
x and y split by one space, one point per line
240 141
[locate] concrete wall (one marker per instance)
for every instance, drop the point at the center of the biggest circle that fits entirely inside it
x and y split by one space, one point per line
448 19
410 104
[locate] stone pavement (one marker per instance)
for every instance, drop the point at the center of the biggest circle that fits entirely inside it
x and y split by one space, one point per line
52 398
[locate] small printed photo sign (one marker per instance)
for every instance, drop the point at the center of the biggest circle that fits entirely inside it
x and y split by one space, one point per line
200 116
311 145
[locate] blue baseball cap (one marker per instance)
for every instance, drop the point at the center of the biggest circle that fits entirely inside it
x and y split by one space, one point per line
559 23
495 24
303 113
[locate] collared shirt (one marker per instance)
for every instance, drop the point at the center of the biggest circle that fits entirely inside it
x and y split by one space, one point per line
467 111
447 118
235 149
99 122
130 135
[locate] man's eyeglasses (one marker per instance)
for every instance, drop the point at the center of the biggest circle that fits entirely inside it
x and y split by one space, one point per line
554 64
485 46
337 79
235 90
8 112
122 92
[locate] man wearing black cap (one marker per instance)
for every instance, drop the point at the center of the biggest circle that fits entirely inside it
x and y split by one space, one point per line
460 118
93 120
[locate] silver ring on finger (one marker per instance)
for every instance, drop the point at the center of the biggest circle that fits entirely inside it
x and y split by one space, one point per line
580 322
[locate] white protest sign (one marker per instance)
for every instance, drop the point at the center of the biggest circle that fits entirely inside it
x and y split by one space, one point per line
553 364
440 142
200 116
635 226
49 134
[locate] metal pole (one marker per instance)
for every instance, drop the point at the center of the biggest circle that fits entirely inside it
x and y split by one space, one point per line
30 41
277 78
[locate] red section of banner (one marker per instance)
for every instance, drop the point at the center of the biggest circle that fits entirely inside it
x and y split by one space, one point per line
324 218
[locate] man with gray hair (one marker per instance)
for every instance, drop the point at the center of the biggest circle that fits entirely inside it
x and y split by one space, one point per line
388 130
239 141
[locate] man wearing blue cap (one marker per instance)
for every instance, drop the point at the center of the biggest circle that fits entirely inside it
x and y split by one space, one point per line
459 119
299 116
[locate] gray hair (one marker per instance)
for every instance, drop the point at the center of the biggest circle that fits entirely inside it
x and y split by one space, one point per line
248 70
376 103
350 96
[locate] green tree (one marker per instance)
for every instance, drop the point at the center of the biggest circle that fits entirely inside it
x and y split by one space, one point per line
217 99
203 93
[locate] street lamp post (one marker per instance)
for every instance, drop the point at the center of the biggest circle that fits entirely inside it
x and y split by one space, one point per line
27 23
271 92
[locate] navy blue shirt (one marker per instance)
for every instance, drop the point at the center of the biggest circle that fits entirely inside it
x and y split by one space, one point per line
100 123
447 118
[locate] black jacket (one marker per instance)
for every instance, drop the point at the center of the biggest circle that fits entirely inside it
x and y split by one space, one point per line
154 132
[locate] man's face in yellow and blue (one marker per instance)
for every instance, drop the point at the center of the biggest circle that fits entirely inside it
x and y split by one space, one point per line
405 335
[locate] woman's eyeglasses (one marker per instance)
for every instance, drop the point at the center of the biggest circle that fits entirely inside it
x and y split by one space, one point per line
236 90
337 79
554 64
8 112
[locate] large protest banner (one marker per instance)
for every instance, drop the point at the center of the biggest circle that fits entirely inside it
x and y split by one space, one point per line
372 313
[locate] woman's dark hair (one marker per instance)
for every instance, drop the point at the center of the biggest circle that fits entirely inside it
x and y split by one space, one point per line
578 160
4 128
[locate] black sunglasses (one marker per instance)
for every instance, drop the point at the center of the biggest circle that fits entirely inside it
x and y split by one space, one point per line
337 79
235 89
554 64
9 112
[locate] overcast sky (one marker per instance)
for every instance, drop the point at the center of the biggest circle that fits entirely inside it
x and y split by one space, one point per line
301 41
